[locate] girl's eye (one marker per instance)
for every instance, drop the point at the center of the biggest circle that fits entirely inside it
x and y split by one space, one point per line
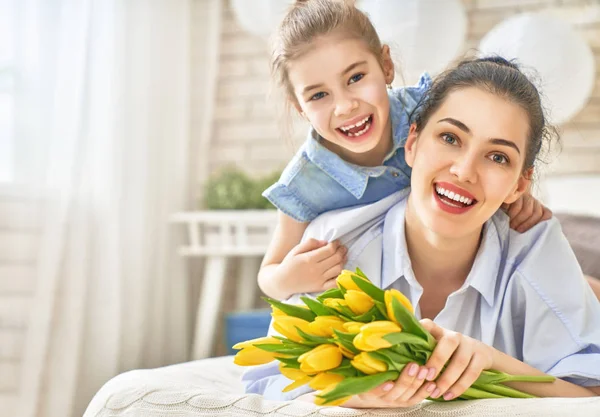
499 158
317 96
356 77
449 139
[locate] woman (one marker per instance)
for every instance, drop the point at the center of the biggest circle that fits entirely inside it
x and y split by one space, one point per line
493 298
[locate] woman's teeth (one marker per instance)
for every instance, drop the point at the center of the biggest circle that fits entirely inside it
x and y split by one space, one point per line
358 128
453 196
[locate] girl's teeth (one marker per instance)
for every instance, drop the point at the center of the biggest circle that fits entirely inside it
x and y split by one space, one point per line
360 123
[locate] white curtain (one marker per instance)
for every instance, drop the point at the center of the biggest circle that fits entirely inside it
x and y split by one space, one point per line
103 134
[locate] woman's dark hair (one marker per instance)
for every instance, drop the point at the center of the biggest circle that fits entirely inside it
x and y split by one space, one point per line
500 77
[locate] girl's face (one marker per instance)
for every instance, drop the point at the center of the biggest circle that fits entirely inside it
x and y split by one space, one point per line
340 88
467 161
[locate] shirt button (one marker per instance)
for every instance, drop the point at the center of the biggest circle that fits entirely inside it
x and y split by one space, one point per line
394 174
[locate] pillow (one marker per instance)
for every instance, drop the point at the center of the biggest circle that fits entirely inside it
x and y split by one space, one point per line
583 233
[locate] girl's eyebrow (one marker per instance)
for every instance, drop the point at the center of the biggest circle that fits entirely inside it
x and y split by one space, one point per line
464 128
348 69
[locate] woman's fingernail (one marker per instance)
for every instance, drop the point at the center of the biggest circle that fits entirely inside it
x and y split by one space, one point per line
387 387
436 393
431 387
430 374
422 373
448 396
414 368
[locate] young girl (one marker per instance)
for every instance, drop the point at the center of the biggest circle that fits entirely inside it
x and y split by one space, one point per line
334 69
493 298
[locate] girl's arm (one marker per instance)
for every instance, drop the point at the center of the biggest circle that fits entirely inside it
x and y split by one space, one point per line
290 267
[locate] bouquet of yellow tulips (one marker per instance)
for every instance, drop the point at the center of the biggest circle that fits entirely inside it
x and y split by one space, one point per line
352 339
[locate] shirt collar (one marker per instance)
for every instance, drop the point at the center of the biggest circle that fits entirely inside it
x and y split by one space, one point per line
396 263
352 177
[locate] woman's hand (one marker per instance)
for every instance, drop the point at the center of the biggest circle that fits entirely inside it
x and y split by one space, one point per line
465 357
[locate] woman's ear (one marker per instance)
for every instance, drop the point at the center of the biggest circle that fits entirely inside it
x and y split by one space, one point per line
410 147
522 187
387 64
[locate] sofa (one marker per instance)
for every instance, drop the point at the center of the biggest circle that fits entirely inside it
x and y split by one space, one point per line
212 387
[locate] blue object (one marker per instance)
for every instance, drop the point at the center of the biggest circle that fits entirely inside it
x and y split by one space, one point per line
246 325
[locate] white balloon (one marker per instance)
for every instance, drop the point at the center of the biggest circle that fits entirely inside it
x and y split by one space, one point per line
260 17
549 50
426 34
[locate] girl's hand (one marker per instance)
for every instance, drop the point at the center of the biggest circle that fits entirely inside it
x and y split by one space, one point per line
526 212
312 266
466 358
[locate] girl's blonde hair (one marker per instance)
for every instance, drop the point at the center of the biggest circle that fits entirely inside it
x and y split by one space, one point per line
308 20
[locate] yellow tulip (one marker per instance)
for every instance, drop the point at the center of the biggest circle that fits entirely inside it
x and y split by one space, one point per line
358 301
258 341
389 296
250 356
321 401
296 375
324 325
345 280
353 326
320 359
286 326
335 303
324 380
365 363
371 335
291 373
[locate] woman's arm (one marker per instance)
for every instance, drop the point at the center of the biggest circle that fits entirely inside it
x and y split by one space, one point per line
558 388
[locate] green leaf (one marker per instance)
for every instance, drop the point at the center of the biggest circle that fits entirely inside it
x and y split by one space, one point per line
345 369
318 308
330 293
371 315
287 350
405 338
410 324
344 340
290 362
358 385
368 288
392 365
291 309
312 339
360 273
382 309
396 357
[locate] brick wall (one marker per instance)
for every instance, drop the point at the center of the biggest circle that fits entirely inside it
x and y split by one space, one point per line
245 127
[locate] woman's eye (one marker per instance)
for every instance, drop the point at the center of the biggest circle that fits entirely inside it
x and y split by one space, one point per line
499 158
317 96
449 139
356 77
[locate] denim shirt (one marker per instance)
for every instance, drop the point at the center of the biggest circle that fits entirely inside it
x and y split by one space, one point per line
525 294
318 180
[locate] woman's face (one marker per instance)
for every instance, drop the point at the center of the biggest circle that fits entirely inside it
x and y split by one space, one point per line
467 161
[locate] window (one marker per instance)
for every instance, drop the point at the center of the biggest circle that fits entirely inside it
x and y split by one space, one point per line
7 89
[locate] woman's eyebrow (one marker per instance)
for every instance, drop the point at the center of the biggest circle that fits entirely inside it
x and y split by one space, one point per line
464 128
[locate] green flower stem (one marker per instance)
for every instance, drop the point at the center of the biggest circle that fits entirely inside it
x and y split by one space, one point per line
504 391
